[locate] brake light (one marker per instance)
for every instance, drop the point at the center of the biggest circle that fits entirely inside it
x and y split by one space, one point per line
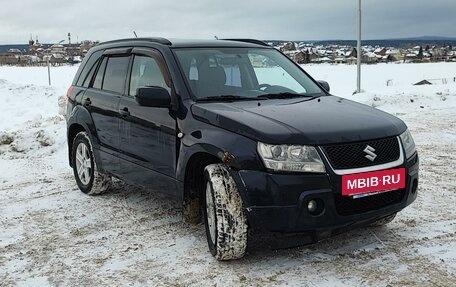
69 92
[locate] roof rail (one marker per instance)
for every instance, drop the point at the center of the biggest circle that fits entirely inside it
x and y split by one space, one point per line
159 40
252 41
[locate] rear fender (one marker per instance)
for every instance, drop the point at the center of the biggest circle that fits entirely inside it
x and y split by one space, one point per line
81 117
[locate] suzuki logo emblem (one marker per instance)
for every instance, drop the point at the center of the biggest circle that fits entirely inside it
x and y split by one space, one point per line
370 153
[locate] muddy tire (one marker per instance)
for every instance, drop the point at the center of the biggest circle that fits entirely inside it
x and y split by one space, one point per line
88 179
384 220
224 217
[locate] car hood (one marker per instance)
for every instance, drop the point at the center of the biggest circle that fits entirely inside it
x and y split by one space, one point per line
323 120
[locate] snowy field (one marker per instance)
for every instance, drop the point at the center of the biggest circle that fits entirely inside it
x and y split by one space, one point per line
53 235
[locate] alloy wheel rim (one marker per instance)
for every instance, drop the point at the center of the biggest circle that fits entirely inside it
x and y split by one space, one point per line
210 211
83 163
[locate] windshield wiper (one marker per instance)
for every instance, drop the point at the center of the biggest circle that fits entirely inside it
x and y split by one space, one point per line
285 95
225 98
288 95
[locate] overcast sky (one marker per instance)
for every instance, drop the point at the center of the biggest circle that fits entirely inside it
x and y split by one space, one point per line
103 20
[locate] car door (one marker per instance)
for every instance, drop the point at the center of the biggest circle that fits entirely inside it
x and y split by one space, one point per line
148 134
102 99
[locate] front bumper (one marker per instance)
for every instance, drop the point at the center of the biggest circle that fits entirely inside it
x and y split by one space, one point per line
278 202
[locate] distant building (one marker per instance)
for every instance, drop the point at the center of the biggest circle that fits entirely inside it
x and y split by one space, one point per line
57 49
86 45
57 59
9 59
380 51
35 47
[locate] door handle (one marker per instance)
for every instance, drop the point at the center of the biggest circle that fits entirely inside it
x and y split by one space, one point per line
124 112
87 102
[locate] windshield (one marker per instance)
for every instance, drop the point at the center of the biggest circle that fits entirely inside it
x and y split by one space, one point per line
243 73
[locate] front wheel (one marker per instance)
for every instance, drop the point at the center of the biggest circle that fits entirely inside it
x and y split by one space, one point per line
224 217
88 179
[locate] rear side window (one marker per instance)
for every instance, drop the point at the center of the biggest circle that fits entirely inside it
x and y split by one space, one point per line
98 82
89 75
89 69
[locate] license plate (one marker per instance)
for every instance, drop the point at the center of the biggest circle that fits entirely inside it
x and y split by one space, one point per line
372 182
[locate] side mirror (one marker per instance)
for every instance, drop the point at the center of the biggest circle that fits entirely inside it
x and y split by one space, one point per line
325 85
157 97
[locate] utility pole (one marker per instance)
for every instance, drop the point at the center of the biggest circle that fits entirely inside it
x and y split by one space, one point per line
48 61
49 69
359 53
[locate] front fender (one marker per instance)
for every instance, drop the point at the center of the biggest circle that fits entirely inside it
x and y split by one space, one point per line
234 150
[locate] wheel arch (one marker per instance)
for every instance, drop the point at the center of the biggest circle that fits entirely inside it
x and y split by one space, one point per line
211 145
80 121
73 130
194 184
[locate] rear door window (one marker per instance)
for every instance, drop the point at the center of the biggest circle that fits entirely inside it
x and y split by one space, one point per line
115 74
111 74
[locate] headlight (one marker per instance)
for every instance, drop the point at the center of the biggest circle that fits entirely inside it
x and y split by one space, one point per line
291 158
408 143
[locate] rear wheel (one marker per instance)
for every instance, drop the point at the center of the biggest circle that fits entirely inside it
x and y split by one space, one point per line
88 179
224 217
384 220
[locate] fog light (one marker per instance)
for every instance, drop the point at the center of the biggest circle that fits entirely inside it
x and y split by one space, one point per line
315 207
312 206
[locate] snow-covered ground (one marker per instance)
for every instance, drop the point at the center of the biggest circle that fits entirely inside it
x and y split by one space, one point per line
53 235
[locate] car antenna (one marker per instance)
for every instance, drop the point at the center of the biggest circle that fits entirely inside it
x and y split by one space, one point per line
135 34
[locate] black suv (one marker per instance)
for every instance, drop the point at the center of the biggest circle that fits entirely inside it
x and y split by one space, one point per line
239 134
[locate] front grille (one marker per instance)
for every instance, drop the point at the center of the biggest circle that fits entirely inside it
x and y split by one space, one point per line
347 205
347 156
